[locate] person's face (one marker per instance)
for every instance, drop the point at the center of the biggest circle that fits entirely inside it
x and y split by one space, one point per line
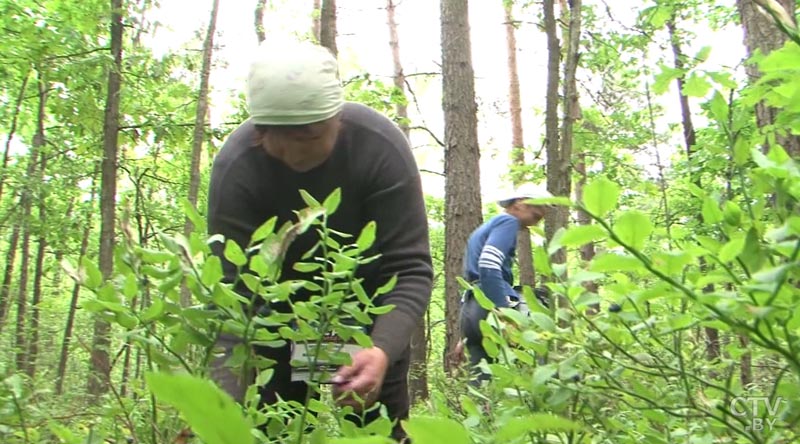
302 147
528 215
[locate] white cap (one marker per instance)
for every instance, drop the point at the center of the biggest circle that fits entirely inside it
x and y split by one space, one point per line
526 191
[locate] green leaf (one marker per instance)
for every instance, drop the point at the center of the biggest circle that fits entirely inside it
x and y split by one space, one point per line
696 86
600 196
367 236
309 199
543 321
387 287
126 320
93 277
306 267
719 109
198 221
711 212
730 250
703 54
263 231
212 271
537 422
614 262
633 227
481 299
578 235
332 201
154 311
212 414
667 75
430 430
234 254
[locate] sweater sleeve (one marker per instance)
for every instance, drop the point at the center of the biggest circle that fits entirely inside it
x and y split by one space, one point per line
498 247
395 202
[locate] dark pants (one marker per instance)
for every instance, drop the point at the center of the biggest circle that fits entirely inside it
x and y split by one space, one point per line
394 392
471 316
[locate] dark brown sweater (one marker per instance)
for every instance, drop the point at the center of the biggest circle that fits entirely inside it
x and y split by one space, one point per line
373 165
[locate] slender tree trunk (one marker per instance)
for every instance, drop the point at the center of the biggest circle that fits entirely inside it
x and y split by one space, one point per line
8 274
555 168
315 19
462 155
327 30
100 371
713 348
26 204
11 131
587 251
38 275
418 375
762 34
199 128
527 274
258 22
76 289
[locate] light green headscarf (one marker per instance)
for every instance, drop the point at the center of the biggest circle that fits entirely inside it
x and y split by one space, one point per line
293 83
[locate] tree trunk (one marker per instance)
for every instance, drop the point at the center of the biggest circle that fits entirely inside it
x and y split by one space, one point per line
587 251
327 26
418 374
258 23
762 34
100 371
8 275
527 274
462 155
11 131
199 128
712 335
38 275
315 19
26 204
558 151
76 289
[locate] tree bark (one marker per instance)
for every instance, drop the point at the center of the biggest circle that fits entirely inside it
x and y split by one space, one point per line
418 373
100 370
199 129
38 275
315 20
527 274
11 131
76 290
26 204
327 23
8 274
763 35
462 155
713 349
258 22
556 167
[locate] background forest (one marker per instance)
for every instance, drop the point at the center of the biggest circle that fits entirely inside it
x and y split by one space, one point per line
668 129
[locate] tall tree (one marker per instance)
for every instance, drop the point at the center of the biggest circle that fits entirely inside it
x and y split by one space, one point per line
200 126
100 364
38 275
524 249
258 20
76 291
462 155
761 34
26 205
327 26
418 378
11 131
690 139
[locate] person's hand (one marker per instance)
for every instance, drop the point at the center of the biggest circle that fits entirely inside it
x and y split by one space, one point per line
359 384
